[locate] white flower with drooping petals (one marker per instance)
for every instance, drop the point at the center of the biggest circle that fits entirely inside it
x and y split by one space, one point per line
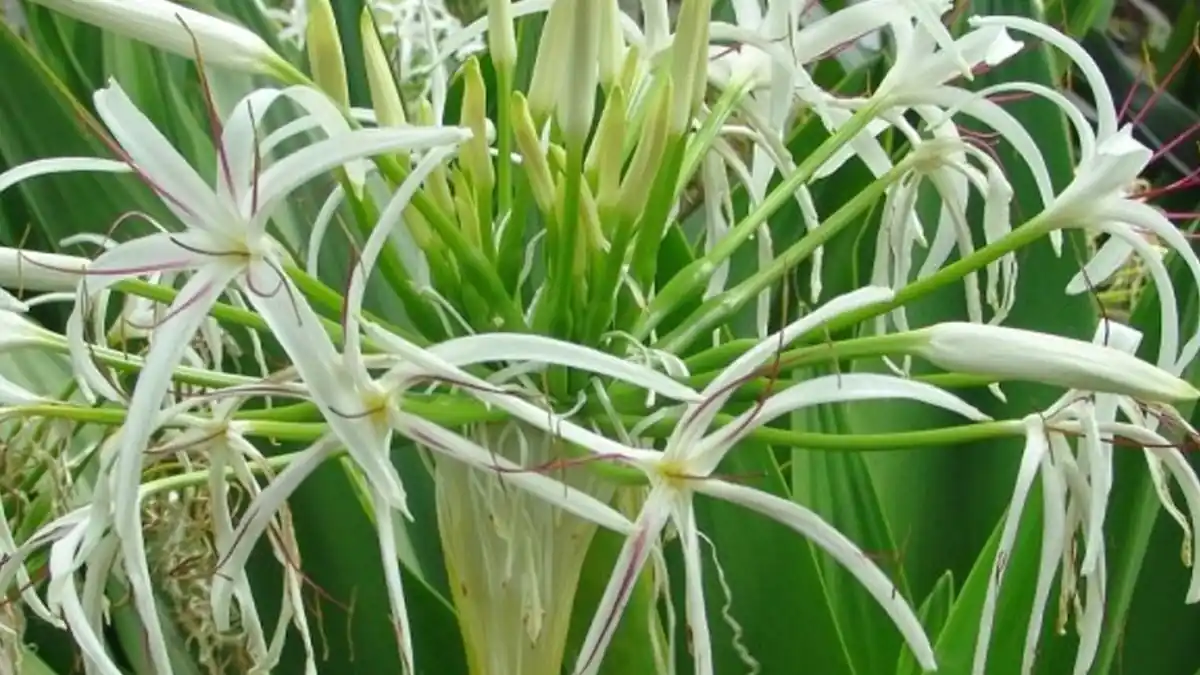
693 453
225 242
1070 446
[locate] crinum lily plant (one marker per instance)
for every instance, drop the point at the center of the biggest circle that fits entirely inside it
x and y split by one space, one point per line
570 318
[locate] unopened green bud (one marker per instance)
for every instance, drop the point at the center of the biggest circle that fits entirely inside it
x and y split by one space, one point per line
325 52
533 160
385 96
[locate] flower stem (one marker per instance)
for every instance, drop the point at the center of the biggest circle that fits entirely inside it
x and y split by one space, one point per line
692 279
718 308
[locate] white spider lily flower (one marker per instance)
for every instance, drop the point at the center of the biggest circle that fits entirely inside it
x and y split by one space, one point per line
1070 446
953 167
225 242
363 413
1014 353
179 30
693 453
1100 196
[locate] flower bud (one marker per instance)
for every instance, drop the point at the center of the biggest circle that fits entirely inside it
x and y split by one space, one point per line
1013 353
635 188
385 97
577 104
502 40
605 156
325 56
474 155
38 271
689 62
179 30
537 169
548 68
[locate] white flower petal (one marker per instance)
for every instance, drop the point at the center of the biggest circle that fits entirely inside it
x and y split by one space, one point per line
546 420
541 486
812 527
697 617
491 347
819 391
385 529
298 329
387 222
301 166
655 513
699 416
53 165
1036 449
167 346
182 190
1108 260
258 515
1105 109
1054 536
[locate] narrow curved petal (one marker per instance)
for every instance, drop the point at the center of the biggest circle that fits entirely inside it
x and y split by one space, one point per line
1054 537
539 485
700 636
1141 215
541 418
1184 476
53 165
380 236
1111 257
632 558
298 330
1036 449
385 529
258 515
492 347
812 527
240 139
167 346
66 596
184 192
303 165
698 417
1105 109
823 390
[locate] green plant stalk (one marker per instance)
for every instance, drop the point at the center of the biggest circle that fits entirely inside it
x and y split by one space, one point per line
504 141
606 285
511 255
720 307
553 315
703 139
692 278
1026 234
